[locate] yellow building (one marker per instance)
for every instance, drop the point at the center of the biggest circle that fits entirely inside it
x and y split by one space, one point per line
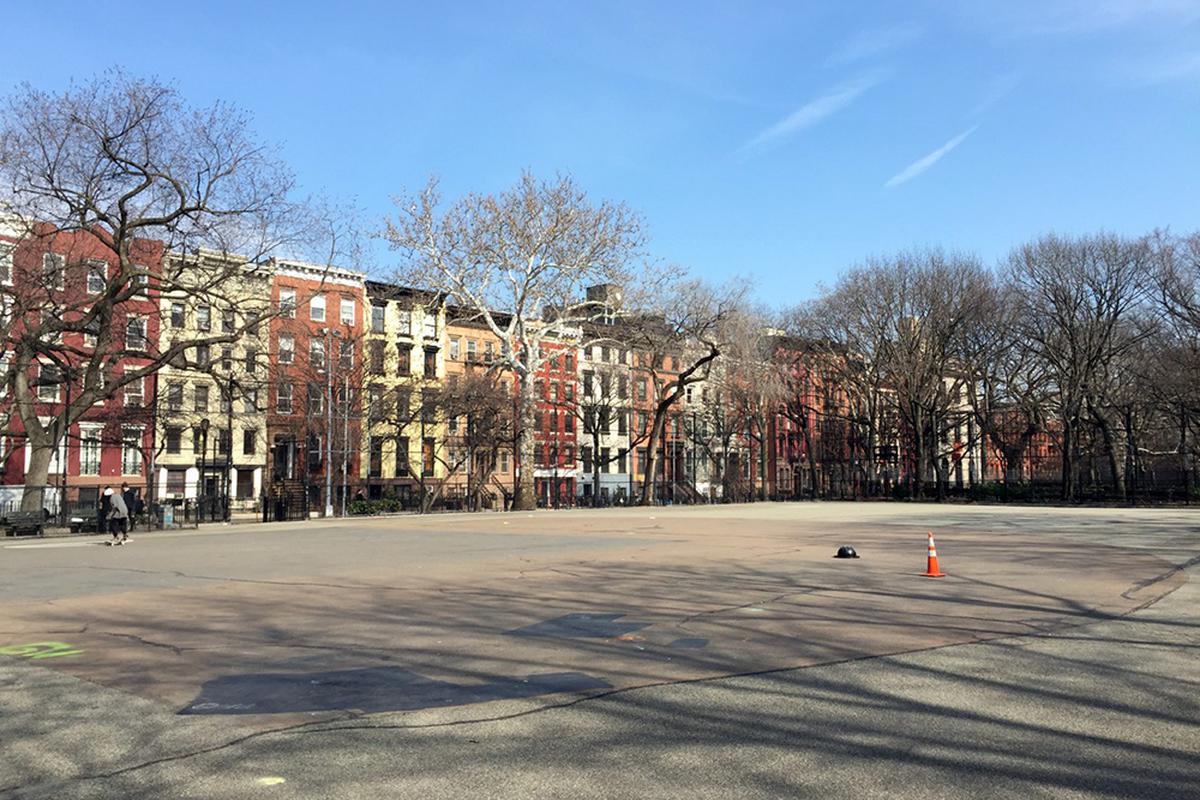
404 369
211 408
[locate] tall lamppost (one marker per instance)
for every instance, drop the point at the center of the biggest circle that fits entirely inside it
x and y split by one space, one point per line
329 334
201 431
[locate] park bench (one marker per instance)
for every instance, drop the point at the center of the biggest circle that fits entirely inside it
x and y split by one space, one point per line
24 523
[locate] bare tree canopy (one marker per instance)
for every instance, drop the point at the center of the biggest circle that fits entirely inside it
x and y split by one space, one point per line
115 193
532 252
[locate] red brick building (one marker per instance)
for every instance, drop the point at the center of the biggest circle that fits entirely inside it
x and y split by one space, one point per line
317 373
48 280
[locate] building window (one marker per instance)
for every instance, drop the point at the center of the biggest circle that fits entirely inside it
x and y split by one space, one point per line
223 441
403 359
430 328
378 316
348 311
374 402
287 348
431 362
175 396
54 269
250 401
287 303
316 354
178 315
454 349
316 398
402 468
405 322
49 379
314 453
176 481
131 451
376 354
228 321
488 351
204 318
6 263
375 458
97 277
471 349
174 440
283 398
135 335
249 441
251 361
135 396
316 308
89 449
200 398
203 357
585 454
427 445
622 460
346 356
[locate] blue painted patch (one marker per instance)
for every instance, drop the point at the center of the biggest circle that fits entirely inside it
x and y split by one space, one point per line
371 690
581 626
689 644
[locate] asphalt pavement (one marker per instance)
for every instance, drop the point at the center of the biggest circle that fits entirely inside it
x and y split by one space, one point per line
631 653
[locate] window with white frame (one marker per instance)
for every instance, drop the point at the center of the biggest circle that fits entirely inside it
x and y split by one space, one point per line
6 262
316 354
54 270
348 311
287 348
204 318
316 308
430 331
89 448
49 380
91 332
378 316
178 314
135 396
97 277
4 375
131 450
140 280
405 322
250 401
283 398
135 334
287 303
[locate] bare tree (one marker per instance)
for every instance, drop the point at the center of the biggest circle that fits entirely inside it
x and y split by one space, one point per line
676 346
96 184
1081 299
531 251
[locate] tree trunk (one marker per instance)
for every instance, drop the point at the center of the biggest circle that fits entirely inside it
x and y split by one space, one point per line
37 476
596 463
1068 461
523 496
656 432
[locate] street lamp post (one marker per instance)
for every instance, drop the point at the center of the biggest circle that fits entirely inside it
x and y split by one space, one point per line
202 431
329 334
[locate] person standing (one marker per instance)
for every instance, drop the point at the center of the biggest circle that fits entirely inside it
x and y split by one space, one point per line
103 510
118 519
130 496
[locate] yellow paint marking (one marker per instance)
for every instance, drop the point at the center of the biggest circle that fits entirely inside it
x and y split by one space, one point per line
39 650
271 780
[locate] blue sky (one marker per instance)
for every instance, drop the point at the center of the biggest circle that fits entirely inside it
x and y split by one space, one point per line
780 140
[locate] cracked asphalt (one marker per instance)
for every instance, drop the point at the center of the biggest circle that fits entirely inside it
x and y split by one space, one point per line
688 652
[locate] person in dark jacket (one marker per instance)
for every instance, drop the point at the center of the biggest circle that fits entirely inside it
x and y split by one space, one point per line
130 496
103 509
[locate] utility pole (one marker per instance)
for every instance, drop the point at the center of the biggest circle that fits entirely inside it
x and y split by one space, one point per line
328 422
345 439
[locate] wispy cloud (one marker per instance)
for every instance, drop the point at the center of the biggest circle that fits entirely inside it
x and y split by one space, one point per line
810 114
875 42
920 165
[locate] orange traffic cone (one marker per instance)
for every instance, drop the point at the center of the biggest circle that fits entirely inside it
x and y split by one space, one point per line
932 571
